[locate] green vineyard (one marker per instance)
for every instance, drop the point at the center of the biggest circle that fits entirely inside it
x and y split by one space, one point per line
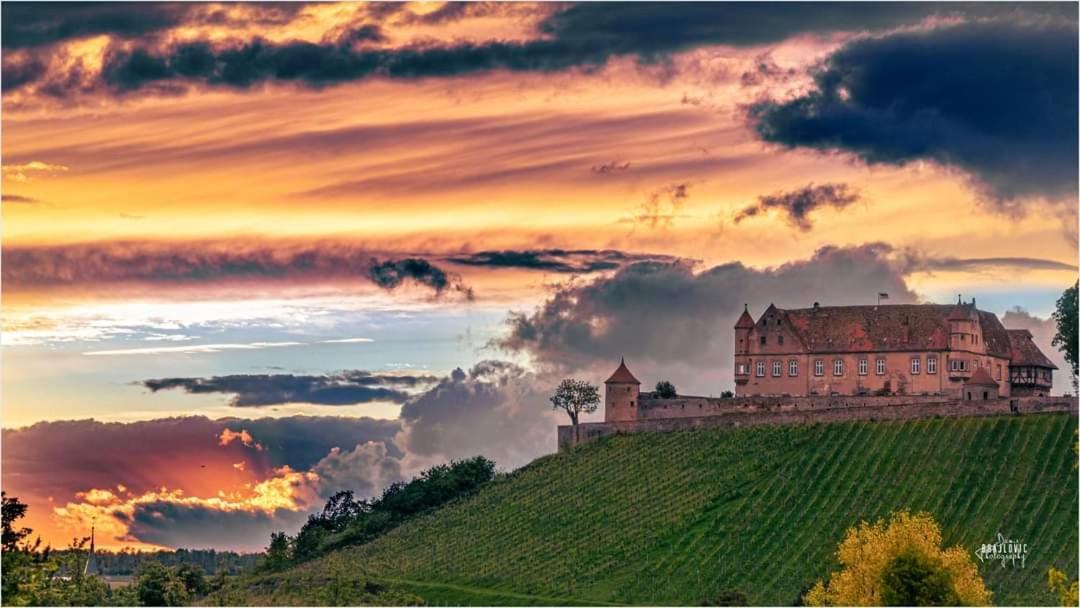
679 518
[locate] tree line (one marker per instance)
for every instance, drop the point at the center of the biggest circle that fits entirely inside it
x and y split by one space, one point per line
345 520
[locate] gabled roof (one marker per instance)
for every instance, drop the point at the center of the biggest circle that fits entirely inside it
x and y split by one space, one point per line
622 375
981 377
897 327
1025 352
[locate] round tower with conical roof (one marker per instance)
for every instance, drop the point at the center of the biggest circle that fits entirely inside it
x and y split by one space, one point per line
621 395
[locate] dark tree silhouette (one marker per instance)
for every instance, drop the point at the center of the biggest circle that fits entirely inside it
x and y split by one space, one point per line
665 390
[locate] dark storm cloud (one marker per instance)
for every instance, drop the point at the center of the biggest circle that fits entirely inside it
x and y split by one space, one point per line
797 204
27 24
17 198
30 24
172 523
555 260
254 390
665 312
580 36
995 99
214 261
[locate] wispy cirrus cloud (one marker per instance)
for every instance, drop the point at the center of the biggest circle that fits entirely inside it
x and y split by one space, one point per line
188 349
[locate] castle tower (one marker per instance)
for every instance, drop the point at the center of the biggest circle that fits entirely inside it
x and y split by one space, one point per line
743 327
621 394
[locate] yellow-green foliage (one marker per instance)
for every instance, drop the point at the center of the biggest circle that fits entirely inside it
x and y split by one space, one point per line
678 518
1068 594
868 549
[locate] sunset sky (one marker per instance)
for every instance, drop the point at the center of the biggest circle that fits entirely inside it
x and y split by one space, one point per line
257 253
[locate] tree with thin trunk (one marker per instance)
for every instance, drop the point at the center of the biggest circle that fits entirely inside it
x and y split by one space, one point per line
575 397
1065 315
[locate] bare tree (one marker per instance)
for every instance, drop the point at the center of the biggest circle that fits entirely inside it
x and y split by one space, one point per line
575 397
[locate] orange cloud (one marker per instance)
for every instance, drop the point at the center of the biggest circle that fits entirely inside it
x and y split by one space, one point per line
228 436
162 516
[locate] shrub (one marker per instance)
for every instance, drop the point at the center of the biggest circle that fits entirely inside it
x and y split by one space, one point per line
900 560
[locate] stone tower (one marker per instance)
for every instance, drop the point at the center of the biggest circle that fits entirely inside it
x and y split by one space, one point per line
621 393
742 365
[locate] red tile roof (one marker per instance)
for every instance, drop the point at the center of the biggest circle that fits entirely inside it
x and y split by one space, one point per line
1025 352
622 375
981 377
900 327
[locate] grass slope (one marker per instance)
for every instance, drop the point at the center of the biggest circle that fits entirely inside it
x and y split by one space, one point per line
675 518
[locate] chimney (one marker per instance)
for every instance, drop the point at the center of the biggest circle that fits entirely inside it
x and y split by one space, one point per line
817 305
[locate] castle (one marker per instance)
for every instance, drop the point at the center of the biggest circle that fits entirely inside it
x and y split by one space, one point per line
842 363
916 349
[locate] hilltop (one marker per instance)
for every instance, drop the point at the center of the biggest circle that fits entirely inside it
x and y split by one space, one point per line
677 518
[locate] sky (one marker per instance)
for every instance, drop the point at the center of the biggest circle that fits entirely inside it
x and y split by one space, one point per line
254 254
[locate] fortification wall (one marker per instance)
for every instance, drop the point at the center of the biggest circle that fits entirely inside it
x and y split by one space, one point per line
654 408
819 409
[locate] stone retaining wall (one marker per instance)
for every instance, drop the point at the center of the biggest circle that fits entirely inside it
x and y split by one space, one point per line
759 411
651 407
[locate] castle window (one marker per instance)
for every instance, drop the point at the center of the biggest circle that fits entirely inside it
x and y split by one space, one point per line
915 364
819 367
931 365
760 369
763 340
998 374
880 367
780 340
793 368
838 367
864 366
777 369
742 369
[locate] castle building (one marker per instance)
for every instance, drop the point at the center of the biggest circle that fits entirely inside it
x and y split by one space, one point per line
909 349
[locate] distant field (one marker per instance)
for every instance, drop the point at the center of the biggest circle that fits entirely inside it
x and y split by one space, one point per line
676 518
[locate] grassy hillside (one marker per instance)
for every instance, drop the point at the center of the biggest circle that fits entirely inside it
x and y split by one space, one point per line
675 518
